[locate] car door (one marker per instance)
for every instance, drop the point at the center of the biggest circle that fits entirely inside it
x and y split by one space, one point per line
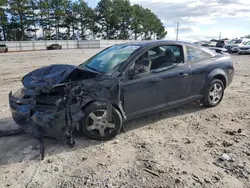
175 84
158 89
140 93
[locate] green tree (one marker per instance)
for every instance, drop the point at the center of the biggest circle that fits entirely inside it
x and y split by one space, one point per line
3 20
107 19
136 20
63 19
123 13
32 18
82 10
57 15
247 36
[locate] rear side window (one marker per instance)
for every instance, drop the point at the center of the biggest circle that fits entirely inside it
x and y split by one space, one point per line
195 54
1 45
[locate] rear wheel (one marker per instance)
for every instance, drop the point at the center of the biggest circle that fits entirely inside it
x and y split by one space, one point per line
95 124
214 93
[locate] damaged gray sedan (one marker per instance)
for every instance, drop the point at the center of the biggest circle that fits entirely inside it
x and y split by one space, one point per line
121 82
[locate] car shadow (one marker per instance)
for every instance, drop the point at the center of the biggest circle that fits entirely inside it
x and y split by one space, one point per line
147 120
24 148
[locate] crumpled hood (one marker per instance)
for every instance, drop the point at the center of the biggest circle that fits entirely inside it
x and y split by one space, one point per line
54 74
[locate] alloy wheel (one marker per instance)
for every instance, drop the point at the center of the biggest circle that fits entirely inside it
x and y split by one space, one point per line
215 93
97 123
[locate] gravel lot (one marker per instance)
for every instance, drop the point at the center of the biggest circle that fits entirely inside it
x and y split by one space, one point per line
177 148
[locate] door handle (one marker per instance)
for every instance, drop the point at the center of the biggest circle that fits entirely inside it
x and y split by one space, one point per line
183 74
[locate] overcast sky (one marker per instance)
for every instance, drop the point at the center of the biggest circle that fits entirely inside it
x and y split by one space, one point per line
200 19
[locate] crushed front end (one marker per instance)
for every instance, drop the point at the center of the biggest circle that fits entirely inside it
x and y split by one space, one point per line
47 113
52 100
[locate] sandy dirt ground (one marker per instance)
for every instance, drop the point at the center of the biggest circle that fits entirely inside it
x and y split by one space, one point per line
176 148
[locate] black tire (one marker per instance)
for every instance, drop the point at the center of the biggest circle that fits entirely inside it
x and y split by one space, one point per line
95 134
206 101
21 121
6 50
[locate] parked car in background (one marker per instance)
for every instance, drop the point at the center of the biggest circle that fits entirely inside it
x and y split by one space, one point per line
3 48
219 50
234 44
245 49
220 44
205 44
54 47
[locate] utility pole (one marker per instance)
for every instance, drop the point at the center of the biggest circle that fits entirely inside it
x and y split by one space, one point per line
177 31
220 36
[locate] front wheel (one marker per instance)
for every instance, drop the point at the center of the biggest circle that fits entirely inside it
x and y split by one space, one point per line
214 93
95 124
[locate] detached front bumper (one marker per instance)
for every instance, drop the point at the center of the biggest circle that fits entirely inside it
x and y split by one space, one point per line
49 118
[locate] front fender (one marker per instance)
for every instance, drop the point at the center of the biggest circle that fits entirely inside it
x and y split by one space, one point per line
115 105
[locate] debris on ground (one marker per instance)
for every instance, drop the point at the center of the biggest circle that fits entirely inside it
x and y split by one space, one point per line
151 172
177 181
225 157
227 143
209 144
197 179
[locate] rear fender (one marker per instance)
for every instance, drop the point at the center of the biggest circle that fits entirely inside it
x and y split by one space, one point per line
219 74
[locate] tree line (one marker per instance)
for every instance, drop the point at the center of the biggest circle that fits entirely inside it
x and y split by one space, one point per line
67 19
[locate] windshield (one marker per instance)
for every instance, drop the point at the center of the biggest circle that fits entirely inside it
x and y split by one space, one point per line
247 43
110 59
235 42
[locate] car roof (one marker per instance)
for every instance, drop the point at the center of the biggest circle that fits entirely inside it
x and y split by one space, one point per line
147 43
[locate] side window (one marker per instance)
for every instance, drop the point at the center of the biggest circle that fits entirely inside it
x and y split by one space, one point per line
178 52
159 57
195 54
152 53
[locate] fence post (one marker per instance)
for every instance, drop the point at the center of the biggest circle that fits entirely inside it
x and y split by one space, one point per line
20 46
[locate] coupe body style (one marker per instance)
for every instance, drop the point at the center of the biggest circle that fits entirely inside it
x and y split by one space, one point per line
121 82
54 47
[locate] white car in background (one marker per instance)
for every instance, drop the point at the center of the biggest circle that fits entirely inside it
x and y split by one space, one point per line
234 44
245 49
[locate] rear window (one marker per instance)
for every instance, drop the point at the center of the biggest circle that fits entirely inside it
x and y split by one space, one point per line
195 54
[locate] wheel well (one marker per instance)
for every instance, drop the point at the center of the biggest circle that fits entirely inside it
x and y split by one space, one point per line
114 105
222 78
